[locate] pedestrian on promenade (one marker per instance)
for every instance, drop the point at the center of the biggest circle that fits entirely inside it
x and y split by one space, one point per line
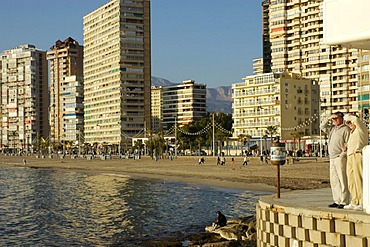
358 139
338 135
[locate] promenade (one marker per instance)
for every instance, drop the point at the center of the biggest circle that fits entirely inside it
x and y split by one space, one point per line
303 218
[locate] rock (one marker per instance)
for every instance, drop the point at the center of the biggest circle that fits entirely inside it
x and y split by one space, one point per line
237 229
240 232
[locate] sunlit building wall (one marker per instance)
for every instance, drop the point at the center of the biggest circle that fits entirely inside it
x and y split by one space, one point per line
296 40
24 97
257 66
117 71
284 100
156 99
66 91
184 103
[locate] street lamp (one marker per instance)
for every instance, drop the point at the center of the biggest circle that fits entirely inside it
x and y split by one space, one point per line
259 109
175 136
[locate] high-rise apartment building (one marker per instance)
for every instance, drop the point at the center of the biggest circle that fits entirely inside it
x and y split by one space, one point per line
117 71
24 97
296 43
363 86
287 101
66 91
257 66
184 103
266 45
156 100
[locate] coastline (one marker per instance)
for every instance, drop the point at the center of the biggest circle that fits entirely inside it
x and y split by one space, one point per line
305 174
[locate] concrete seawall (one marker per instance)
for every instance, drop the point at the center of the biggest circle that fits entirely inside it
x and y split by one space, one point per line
303 218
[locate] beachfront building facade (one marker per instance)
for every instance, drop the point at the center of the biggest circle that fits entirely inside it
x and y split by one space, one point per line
286 101
66 92
183 103
24 98
295 41
117 71
157 102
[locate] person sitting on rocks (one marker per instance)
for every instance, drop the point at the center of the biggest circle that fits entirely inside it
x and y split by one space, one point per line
219 221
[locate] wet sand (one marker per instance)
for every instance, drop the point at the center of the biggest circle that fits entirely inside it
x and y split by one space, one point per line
304 174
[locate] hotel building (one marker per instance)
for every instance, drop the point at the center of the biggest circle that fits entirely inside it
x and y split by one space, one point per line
294 38
287 101
66 91
24 97
184 103
117 71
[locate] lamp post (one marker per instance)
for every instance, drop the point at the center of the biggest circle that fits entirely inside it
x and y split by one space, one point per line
175 136
213 135
119 140
79 142
259 109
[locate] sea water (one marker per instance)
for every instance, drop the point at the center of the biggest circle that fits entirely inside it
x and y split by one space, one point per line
50 207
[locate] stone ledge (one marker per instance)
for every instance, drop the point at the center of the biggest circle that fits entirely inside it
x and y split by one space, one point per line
303 218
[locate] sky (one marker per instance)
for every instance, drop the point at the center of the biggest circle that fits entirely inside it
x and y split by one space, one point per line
209 41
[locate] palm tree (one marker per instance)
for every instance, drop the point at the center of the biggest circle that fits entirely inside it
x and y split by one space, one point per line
199 141
271 131
244 138
297 135
241 138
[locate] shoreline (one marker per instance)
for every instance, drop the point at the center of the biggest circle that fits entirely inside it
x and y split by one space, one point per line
254 177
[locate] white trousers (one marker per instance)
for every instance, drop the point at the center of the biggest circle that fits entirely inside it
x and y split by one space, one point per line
354 175
338 180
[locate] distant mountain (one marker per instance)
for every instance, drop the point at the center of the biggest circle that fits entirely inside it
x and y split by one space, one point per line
218 99
157 81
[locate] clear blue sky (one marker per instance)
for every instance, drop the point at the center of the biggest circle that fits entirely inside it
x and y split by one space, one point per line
209 41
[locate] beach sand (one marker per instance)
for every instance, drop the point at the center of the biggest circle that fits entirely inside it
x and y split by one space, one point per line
302 175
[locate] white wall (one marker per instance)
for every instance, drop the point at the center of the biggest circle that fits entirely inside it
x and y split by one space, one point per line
346 22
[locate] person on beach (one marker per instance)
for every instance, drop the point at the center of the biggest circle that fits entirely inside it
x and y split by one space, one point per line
232 160
358 139
201 161
338 135
245 161
223 161
218 160
219 221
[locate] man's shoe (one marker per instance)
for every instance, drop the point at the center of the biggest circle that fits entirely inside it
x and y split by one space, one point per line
334 205
358 207
349 207
340 206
